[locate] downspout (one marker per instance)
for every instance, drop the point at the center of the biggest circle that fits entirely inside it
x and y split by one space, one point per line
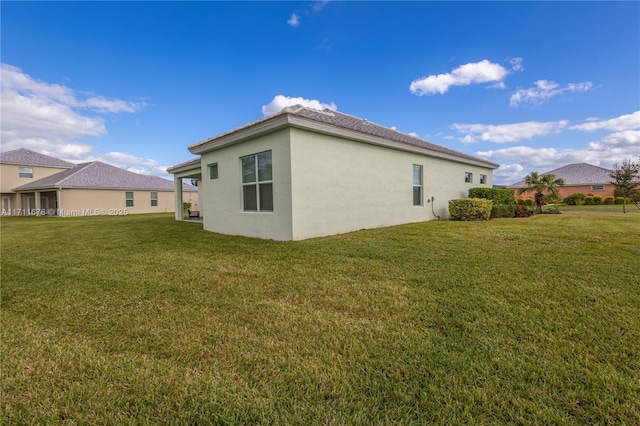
432 211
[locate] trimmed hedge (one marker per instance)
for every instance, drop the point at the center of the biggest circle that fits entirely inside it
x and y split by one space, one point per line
503 210
574 199
525 202
608 201
497 195
470 209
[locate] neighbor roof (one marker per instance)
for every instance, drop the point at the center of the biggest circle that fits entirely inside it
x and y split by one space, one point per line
576 174
26 157
338 120
97 175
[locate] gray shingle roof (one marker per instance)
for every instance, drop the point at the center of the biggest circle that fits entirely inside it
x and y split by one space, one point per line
350 122
577 174
97 175
23 156
361 125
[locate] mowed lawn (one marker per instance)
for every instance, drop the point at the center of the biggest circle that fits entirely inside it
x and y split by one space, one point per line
145 320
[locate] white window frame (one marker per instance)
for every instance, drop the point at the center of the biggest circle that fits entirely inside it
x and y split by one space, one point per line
211 167
419 185
154 197
468 177
597 187
25 172
128 202
257 183
483 179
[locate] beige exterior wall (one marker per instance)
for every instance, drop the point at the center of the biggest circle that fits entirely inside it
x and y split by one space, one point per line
340 185
221 202
9 179
84 202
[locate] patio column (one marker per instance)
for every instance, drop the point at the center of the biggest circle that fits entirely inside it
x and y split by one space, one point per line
177 191
38 203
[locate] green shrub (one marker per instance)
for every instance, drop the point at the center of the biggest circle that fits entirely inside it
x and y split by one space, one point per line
550 199
525 202
470 209
551 210
522 211
574 199
609 201
597 200
503 210
619 200
588 200
497 195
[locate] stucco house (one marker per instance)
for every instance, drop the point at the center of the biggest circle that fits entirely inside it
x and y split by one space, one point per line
38 184
578 178
305 173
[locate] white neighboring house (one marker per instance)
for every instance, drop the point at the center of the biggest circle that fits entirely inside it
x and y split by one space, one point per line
305 173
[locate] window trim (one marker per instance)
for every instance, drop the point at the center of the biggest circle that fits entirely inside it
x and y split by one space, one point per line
257 183
468 177
152 193
25 172
597 187
210 169
128 202
419 185
483 179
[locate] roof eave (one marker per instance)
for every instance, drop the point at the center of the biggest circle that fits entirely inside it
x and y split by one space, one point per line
287 119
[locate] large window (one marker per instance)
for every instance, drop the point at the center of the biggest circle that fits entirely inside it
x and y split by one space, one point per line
154 199
417 185
257 183
25 172
129 199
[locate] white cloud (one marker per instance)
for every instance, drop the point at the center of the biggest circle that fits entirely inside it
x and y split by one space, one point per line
294 21
516 64
506 133
49 117
56 120
518 161
281 101
477 72
132 163
624 122
544 90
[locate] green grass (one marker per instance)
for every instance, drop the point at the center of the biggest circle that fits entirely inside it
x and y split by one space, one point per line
630 207
144 320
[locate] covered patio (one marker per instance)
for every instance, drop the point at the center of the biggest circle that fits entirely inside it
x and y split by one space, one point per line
191 170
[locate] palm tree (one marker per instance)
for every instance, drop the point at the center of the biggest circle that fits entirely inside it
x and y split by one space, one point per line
541 184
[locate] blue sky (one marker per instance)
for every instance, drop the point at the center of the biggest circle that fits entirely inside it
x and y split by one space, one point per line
529 85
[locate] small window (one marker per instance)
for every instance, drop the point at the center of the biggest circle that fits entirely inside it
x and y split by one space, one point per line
154 199
25 172
213 171
417 185
129 199
483 179
257 183
468 177
597 187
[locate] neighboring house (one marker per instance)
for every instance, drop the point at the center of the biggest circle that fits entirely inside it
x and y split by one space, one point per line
304 173
36 184
578 178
